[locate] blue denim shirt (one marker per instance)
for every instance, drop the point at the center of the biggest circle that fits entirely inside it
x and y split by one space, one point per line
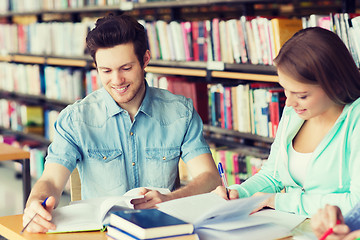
114 154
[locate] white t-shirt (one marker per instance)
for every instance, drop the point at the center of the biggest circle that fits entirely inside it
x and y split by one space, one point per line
297 164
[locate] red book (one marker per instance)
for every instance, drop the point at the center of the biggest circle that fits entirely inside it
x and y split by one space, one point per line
236 167
195 36
275 109
222 108
22 38
186 33
198 93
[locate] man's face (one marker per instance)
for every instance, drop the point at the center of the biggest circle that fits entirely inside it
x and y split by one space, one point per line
121 74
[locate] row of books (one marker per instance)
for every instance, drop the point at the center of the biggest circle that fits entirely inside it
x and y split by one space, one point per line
52 38
345 25
44 5
255 40
246 40
28 119
250 108
60 83
239 163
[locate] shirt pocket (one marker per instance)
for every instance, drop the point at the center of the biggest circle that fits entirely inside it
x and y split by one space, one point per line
105 170
161 166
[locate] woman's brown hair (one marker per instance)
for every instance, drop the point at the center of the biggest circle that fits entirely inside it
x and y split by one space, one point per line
318 56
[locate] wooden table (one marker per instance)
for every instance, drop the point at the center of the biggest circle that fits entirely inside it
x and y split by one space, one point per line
8 153
10 227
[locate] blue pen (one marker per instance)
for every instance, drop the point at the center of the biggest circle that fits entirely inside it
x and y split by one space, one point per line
42 204
222 175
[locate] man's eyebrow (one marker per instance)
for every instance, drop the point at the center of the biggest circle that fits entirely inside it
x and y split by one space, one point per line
129 63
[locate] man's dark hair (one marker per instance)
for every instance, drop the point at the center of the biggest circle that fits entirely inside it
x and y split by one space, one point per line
111 31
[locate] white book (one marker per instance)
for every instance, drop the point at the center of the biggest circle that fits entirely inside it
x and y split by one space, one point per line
178 41
171 42
78 44
244 122
163 40
256 34
251 43
356 32
235 39
223 41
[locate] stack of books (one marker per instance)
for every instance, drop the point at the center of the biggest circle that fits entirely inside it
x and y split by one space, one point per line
148 224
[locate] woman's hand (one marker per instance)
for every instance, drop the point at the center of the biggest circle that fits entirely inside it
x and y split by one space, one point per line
221 191
326 218
268 202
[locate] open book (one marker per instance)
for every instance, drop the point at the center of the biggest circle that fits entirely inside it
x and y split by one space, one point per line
210 211
93 214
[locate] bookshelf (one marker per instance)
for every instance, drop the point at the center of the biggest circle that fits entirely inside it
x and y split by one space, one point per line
210 72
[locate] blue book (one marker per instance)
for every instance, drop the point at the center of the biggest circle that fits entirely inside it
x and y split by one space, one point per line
149 223
117 233
352 218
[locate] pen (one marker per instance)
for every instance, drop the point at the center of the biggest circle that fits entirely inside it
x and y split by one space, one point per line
328 232
222 175
44 205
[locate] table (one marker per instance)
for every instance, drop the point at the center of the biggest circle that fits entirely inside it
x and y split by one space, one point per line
8 153
10 227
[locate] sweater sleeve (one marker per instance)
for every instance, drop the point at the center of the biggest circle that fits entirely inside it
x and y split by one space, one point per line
267 179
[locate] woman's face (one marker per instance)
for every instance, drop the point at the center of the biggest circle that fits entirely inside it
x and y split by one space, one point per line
308 100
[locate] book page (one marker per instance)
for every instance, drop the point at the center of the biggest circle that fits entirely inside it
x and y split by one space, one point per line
211 210
74 218
92 214
188 209
264 231
285 219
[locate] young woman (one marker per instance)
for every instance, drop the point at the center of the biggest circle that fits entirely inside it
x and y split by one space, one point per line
315 157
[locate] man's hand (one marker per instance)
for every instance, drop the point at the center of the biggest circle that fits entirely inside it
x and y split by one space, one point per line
151 198
326 218
41 222
221 191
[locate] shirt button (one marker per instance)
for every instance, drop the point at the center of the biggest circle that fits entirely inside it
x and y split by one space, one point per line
104 157
131 133
164 158
133 164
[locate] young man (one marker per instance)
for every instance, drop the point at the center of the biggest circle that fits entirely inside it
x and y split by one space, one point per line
125 135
